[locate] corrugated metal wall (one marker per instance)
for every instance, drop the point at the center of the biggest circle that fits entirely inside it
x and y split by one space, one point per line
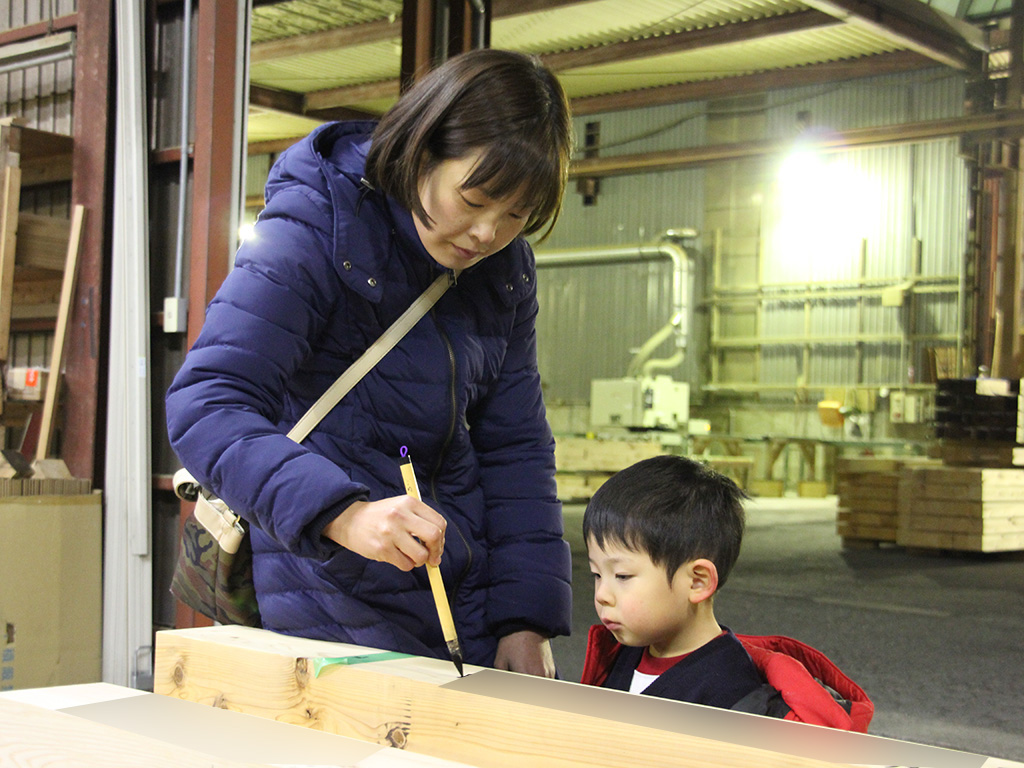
593 316
905 200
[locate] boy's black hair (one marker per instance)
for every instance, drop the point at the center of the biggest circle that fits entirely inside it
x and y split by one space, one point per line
673 509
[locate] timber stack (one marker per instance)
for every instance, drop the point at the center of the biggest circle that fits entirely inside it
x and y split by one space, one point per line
971 500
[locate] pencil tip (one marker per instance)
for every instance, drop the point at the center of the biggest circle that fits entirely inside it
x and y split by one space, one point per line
455 651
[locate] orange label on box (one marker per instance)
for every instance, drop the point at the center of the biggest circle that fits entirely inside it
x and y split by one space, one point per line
32 377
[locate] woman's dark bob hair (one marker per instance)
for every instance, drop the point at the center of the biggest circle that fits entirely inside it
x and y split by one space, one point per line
507 105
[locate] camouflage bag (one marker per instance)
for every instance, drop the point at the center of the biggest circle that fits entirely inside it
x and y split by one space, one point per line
213 574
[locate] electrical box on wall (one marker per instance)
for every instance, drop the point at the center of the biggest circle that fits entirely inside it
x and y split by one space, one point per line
650 402
897 404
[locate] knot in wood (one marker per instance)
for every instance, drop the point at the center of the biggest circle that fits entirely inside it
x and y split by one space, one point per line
179 674
302 672
398 736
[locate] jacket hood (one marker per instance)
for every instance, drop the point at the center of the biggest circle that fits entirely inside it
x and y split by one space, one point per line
343 144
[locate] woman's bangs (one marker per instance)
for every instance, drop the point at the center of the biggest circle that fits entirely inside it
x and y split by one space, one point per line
510 167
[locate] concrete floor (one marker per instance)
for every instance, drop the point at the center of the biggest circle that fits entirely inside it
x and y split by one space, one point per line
937 641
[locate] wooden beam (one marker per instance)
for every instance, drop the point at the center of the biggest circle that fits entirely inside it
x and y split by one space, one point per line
1010 121
327 40
39 29
272 146
317 101
723 34
277 100
415 704
914 25
871 66
378 31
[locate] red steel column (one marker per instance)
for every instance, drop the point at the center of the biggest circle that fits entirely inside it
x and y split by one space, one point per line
212 241
92 187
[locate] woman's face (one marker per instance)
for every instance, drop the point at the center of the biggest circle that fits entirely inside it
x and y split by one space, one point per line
468 225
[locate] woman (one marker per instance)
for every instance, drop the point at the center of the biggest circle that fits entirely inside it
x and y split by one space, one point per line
359 220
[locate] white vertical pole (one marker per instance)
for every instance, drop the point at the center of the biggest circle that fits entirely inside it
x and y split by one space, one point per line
127 590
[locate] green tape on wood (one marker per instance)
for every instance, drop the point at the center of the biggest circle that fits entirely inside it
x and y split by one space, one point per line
320 664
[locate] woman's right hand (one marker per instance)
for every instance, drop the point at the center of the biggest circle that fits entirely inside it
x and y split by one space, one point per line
400 530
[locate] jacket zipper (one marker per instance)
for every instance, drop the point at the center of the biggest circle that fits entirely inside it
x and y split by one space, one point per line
444 448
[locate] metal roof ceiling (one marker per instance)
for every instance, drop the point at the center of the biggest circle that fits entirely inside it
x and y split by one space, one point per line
316 59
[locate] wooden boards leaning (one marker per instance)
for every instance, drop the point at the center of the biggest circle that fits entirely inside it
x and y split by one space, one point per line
415 704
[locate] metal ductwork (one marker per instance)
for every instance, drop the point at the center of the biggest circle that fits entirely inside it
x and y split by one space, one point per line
666 249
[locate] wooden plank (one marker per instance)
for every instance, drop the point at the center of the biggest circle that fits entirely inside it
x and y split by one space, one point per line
882 465
405 703
874 465
988 510
978 525
31 735
875 485
968 476
60 336
573 454
9 202
962 541
868 532
579 485
870 505
42 242
856 517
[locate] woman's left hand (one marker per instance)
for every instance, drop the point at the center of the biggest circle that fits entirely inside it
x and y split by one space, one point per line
525 651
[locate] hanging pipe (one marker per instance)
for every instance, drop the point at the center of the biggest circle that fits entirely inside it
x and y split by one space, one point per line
186 77
658 251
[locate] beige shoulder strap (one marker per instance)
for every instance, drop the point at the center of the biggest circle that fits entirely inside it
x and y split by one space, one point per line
371 357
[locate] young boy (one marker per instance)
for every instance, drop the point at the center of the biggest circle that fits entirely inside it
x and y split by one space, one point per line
662 537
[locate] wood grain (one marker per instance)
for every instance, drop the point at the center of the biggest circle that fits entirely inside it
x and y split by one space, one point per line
402 703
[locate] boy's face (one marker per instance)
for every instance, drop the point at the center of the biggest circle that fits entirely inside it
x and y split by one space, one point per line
636 601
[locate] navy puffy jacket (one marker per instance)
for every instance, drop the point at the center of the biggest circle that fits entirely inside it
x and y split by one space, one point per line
331 265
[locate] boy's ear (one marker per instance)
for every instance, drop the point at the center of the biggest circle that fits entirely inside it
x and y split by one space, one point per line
703 577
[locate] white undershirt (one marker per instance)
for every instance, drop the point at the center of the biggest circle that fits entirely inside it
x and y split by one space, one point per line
641 681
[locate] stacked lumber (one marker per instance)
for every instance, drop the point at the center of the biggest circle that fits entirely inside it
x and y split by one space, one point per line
869 497
45 486
972 509
583 464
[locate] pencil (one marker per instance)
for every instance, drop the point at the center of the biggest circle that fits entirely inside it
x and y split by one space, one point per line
444 611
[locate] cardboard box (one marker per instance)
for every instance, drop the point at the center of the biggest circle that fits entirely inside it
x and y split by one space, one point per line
51 560
26 383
